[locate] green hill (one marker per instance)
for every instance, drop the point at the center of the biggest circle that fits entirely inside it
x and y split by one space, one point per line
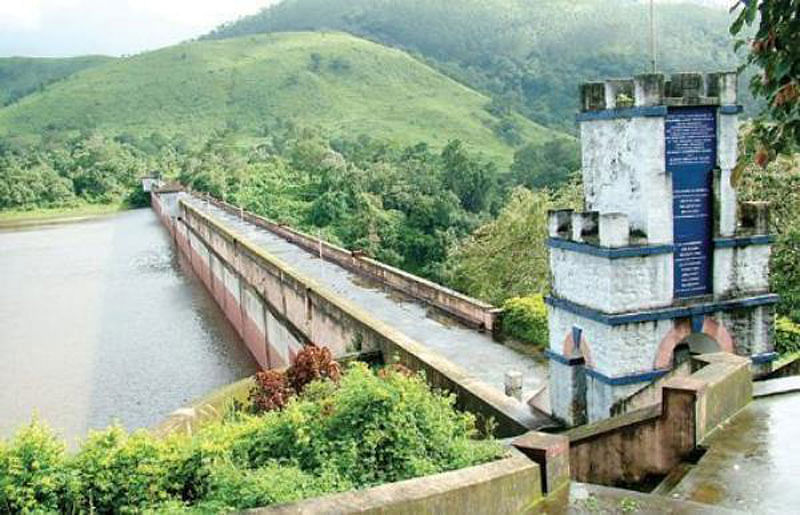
529 54
334 82
20 76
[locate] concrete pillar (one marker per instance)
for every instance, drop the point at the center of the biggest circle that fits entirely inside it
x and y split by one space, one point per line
648 89
551 453
727 88
513 384
568 391
614 229
727 203
727 140
559 223
584 224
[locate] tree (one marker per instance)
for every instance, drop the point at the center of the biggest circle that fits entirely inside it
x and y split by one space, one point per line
548 164
775 49
508 256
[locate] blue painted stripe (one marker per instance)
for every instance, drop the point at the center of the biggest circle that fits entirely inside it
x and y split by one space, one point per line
660 314
606 252
571 362
766 357
730 109
641 377
622 112
728 243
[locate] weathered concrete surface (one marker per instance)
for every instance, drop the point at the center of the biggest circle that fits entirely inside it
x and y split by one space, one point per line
724 387
551 453
476 352
753 462
778 386
639 446
588 498
510 485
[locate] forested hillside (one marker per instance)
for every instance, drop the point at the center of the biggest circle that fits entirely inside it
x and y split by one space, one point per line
334 82
325 131
20 76
531 55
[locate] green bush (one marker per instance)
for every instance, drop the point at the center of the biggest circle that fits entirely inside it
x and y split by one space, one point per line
33 473
372 429
367 429
787 336
525 319
232 487
118 472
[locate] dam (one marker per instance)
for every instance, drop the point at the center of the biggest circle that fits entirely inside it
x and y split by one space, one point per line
282 289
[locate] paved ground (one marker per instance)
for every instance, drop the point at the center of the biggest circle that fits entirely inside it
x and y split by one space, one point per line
753 462
474 351
583 498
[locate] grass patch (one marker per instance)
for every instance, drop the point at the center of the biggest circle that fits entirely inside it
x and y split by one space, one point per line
23 217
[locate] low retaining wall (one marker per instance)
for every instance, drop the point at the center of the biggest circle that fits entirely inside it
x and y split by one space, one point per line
632 448
650 441
510 485
277 311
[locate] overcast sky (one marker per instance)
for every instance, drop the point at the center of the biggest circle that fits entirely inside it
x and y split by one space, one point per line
112 27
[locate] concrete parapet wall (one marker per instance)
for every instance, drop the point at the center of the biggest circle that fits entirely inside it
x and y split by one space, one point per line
724 386
472 311
646 443
511 485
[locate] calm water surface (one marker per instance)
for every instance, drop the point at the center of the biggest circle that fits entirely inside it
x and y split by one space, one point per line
100 321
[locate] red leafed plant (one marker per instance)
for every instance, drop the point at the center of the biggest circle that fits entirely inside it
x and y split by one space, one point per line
274 388
271 391
312 363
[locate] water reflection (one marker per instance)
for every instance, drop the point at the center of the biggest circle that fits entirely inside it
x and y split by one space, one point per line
99 321
753 462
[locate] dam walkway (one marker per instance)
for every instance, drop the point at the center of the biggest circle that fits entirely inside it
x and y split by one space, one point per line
469 348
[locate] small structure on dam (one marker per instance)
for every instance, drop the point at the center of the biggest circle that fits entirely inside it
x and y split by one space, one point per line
659 265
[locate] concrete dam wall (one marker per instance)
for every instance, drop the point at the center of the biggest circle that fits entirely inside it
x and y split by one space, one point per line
281 296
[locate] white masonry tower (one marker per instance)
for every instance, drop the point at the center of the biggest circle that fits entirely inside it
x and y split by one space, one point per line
658 265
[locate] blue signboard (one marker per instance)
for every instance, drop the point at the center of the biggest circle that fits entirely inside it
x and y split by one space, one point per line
691 153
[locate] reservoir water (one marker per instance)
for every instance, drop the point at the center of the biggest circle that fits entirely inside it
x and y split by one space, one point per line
100 321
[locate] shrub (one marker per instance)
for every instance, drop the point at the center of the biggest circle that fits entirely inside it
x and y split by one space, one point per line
311 364
525 319
787 336
370 430
271 391
33 473
235 488
274 388
117 472
367 429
